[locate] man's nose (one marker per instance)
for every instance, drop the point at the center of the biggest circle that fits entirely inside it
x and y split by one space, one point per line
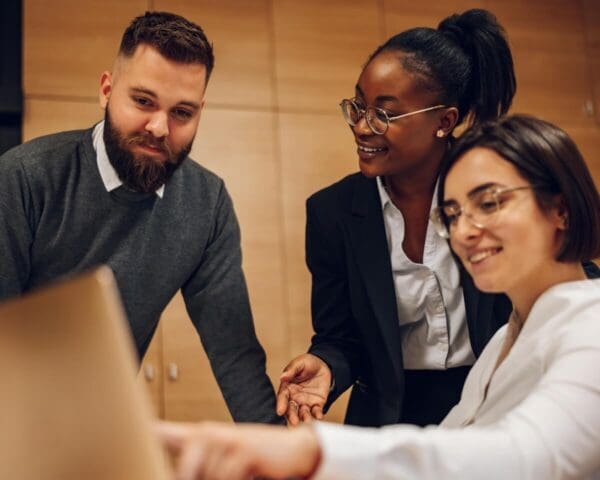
158 125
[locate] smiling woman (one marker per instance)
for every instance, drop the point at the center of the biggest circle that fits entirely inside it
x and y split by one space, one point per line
529 408
530 211
394 314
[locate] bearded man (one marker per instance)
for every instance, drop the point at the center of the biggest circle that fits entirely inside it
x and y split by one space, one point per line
125 193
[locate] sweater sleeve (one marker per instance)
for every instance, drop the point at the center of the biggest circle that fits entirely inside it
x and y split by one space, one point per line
16 231
217 301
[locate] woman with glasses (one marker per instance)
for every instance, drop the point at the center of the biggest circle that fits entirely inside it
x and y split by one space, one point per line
395 317
522 213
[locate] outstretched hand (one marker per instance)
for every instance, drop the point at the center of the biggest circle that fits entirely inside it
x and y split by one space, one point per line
304 387
219 451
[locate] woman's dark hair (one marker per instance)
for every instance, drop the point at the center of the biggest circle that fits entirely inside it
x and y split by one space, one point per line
467 61
547 158
175 37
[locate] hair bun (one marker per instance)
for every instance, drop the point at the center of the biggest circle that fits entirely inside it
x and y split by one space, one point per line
491 85
465 28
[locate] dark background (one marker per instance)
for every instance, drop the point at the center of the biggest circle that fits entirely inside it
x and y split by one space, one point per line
11 92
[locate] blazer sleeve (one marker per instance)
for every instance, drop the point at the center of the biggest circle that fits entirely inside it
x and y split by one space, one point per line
217 301
336 340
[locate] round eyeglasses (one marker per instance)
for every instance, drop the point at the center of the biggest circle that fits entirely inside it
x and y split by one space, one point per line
377 118
479 209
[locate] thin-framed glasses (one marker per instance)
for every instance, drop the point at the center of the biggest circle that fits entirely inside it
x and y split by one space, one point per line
480 208
377 118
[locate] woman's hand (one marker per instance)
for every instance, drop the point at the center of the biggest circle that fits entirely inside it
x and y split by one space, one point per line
215 451
304 388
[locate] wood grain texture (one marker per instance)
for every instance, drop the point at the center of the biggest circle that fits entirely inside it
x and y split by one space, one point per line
68 43
591 15
43 116
401 15
241 35
320 48
316 150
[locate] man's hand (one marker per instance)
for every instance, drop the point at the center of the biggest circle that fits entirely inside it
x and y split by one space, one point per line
213 451
304 387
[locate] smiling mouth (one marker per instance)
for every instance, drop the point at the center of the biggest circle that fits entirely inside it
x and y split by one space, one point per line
362 148
482 255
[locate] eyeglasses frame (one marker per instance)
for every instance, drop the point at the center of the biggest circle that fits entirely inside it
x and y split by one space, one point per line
437 214
363 113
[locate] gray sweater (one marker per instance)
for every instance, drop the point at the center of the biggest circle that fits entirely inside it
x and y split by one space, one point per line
57 218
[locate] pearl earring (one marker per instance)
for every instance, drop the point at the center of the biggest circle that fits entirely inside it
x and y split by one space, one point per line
439 133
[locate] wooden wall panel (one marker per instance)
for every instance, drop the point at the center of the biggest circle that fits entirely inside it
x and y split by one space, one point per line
548 44
543 88
49 116
591 14
316 150
319 49
241 36
401 15
549 25
588 142
68 43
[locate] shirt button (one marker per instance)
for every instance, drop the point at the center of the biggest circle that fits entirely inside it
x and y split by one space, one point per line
440 308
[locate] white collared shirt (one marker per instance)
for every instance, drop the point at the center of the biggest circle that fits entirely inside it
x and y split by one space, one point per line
429 297
109 175
540 418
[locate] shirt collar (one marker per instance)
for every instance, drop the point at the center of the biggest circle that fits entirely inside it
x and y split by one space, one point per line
109 175
385 197
383 194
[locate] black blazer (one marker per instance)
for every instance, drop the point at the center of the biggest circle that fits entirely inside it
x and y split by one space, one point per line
354 312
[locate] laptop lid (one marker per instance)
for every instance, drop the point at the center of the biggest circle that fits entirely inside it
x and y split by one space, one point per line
70 407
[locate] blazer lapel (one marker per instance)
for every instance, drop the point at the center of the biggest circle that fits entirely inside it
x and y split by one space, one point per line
369 246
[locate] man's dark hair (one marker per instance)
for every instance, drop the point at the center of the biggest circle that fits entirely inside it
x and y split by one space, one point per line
466 61
172 35
547 158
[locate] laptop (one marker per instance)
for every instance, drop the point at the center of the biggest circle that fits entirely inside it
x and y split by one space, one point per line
70 407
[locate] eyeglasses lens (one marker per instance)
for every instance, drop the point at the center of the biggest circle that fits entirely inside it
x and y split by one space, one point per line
478 209
377 120
350 112
439 222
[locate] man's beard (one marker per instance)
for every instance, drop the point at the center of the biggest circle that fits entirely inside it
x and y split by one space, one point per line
142 173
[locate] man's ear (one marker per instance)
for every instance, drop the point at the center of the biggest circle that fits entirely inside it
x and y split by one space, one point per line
106 82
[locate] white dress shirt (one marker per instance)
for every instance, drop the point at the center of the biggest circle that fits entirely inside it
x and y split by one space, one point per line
109 175
429 298
539 420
